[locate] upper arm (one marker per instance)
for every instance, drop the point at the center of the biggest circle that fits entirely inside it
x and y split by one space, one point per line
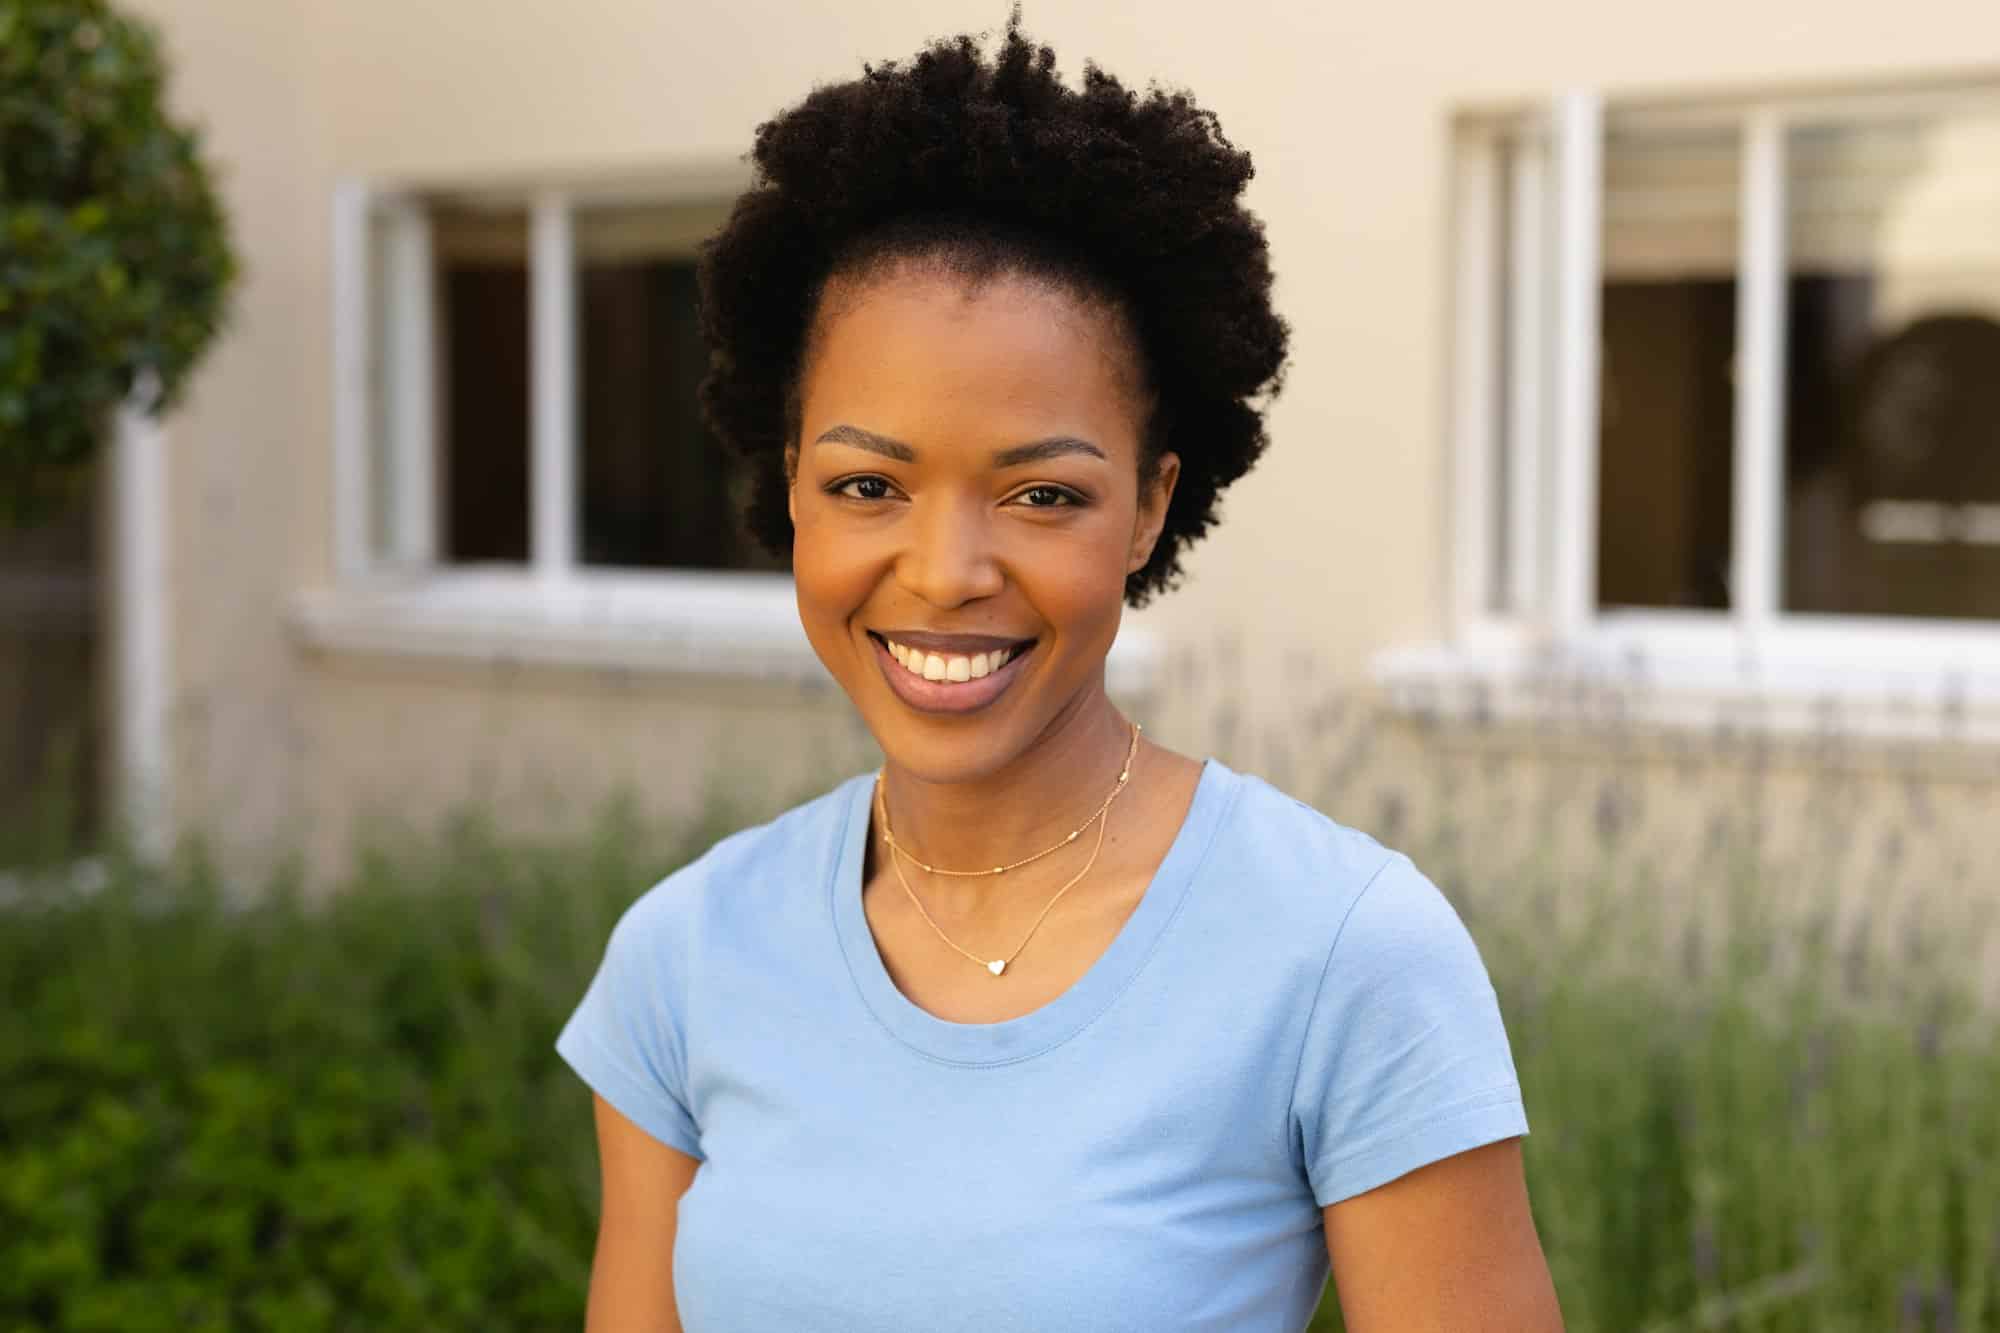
1449 1246
1405 1059
632 1276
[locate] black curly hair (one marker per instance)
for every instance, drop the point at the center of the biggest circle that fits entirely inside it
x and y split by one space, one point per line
984 168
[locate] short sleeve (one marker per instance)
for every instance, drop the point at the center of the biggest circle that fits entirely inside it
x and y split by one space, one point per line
1406 1060
627 1039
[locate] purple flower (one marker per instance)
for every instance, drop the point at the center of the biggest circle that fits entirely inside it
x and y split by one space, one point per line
1910 1306
1707 1256
1944 1304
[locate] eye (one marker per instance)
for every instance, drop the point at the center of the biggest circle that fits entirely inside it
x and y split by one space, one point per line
1048 497
862 488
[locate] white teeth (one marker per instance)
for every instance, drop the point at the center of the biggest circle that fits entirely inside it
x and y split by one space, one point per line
936 666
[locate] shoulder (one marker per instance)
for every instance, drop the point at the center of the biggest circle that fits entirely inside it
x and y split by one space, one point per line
775 856
1300 864
1324 884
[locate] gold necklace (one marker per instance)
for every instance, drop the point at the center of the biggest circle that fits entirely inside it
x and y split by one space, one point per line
996 966
1123 774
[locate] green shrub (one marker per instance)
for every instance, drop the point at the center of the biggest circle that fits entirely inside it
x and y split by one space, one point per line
274 1116
114 257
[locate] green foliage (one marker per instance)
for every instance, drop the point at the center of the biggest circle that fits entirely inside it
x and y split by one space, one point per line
293 1117
114 254
242 1110
1738 1144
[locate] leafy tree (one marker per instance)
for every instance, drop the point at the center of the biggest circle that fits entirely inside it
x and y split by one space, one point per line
115 263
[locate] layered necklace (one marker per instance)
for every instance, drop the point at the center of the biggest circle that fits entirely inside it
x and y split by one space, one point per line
996 966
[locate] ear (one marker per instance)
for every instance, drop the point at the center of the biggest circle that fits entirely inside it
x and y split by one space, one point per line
792 483
1154 497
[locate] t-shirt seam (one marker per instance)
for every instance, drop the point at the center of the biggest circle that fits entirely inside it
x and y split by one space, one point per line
1319 988
680 1017
656 999
1201 862
617 1066
1498 1095
1159 938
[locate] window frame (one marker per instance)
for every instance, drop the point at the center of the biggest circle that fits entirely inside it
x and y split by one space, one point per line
403 601
1522 610
555 438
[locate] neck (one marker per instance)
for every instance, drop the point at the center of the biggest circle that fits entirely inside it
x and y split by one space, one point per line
1033 802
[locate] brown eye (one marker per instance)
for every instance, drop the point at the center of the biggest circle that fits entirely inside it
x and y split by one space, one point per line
1046 497
863 488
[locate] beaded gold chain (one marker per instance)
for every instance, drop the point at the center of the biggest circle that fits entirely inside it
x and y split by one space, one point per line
996 966
1123 774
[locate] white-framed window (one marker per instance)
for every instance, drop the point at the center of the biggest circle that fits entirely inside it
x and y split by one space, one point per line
521 471
528 394
1726 393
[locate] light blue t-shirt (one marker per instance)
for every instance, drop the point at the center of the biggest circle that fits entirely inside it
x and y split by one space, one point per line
1291 1015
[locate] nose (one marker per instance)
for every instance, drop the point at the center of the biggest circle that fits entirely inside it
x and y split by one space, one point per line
949 558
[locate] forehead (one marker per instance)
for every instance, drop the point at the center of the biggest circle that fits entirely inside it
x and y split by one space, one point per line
923 353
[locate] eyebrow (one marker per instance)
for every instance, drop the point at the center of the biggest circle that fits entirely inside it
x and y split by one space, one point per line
1035 451
1038 451
869 440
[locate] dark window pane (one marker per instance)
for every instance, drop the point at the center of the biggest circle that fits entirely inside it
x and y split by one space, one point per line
49 697
1667 393
1893 438
655 488
485 403
1665 482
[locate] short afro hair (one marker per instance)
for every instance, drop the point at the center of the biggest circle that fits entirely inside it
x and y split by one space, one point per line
988 167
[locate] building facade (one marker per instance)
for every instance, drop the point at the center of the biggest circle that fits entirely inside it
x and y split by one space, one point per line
1630 344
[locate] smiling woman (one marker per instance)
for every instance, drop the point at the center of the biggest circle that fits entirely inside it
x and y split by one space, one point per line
1042 1026
970 480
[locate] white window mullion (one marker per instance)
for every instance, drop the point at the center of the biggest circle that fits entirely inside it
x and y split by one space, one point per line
144 639
412 417
1757 534
1577 343
351 324
1527 592
1476 393
552 326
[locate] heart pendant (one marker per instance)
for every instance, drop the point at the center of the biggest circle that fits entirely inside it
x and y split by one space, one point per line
997 966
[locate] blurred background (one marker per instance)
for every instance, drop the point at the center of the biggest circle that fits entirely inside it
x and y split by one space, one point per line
374 623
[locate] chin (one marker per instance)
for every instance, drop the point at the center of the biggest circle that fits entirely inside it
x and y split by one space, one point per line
947 744
947 749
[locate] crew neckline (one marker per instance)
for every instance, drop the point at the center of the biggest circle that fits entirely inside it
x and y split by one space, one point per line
1042 1029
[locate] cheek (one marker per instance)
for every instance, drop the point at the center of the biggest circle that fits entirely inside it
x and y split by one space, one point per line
1081 590
831 575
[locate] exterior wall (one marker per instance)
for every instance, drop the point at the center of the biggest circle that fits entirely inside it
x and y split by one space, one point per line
393 743
1335 547
241 527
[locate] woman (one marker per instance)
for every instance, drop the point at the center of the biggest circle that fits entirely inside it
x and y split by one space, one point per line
1042 1027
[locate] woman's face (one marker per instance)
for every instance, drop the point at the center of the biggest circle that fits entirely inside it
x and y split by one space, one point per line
967 503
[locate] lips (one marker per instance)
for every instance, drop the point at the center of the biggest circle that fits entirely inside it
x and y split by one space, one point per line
948 673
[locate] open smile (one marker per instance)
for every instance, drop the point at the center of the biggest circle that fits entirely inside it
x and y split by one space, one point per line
949 674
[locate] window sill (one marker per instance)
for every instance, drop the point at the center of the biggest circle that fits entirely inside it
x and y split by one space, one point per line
720 625
1862 680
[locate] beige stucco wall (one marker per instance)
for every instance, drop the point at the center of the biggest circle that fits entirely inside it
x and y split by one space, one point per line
1335 544
241 527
